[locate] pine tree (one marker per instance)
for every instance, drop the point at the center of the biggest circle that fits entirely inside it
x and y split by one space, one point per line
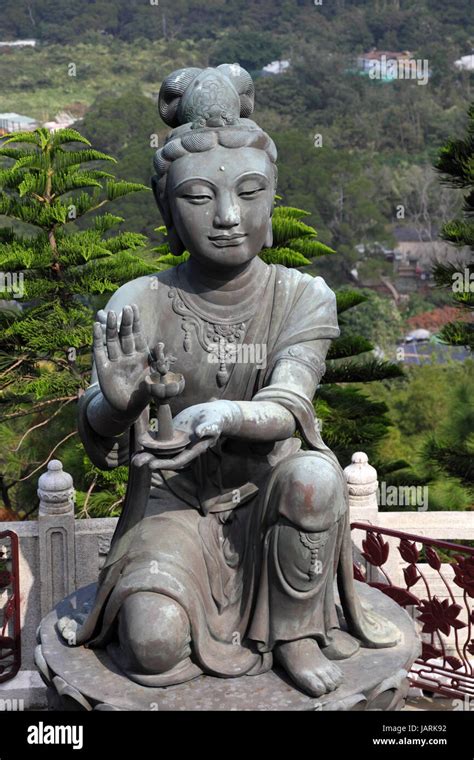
61 267
456 166
453 452
351 420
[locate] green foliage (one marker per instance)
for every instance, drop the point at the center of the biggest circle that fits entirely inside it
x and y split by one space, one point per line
431 415
346 299
48 183
350 421
168 259
378 319
294 242
456 166
361 371
284 256
349 345
458 334
112 125
455 158
287 228
251 49
105 492
353 23
451 448
458 462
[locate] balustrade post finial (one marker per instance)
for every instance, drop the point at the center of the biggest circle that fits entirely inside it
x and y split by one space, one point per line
362 485
56 531
55 490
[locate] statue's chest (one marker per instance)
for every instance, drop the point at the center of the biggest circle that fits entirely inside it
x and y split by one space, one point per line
206 351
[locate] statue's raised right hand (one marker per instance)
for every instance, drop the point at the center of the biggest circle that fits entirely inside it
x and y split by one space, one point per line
123 362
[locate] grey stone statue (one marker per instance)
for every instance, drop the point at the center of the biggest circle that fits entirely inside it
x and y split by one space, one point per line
226 552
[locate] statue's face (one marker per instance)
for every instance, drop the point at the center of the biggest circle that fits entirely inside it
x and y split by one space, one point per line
221 202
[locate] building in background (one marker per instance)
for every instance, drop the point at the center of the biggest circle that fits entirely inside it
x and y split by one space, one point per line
275 67
16 122
416 253
61 121
17 43
465 63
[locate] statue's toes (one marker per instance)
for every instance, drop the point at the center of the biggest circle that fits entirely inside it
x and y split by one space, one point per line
308 667
312 684
64 624
321 680
67 627
331 676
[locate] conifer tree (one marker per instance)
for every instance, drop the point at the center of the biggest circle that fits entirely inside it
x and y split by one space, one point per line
456 166
452 452
60 266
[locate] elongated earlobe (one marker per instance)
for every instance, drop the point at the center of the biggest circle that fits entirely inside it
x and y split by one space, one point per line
174 242
269 236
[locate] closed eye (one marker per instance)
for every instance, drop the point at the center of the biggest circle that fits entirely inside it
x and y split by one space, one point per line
197 199
251 193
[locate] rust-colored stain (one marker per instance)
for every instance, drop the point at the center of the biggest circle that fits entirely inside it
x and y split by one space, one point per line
305 493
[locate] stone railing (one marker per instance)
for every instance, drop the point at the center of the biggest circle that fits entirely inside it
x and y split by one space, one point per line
59 553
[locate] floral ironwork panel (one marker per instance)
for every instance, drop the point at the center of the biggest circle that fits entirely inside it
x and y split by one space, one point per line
435 583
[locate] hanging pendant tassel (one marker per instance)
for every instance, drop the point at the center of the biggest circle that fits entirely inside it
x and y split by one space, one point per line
187 338
222 375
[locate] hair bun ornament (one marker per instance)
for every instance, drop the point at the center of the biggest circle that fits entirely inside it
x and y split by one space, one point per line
206 97
243 83
171 92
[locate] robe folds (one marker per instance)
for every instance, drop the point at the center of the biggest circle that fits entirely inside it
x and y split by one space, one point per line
186 535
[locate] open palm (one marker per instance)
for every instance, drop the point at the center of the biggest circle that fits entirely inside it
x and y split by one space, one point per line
123 362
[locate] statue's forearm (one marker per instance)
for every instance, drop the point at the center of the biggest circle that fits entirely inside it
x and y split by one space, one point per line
263 421
105 420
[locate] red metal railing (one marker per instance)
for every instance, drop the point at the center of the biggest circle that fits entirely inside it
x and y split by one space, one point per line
446 664
10 626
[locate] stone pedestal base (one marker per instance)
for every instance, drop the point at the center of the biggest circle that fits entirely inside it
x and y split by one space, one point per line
87 679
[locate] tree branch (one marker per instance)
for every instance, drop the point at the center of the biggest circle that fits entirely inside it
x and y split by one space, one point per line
89 491
69 435
40 424
9 369
24 412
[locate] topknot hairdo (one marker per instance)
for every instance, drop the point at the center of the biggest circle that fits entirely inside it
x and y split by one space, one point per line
206 97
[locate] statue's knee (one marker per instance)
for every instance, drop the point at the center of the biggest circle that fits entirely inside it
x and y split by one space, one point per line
312 495
154 632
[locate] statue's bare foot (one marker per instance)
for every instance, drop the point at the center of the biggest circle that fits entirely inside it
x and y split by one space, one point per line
342 645
67 627
308 667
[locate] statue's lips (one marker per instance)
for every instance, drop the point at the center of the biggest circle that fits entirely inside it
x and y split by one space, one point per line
224 241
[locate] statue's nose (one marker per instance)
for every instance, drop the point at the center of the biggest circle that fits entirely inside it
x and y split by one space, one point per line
227 213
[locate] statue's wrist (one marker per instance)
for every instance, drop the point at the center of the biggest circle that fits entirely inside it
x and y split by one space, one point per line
106 419
123 417
233 418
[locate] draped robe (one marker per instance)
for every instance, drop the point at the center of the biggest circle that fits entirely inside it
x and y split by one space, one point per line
185 534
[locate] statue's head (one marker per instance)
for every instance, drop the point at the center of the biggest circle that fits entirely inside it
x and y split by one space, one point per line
216 174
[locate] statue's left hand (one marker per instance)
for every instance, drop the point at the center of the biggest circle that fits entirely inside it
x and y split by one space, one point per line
176 462
209 420
204 423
